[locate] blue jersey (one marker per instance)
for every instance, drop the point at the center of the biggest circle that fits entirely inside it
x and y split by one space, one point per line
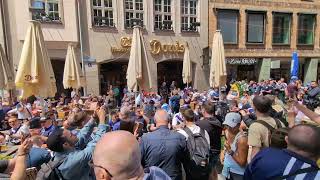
272 163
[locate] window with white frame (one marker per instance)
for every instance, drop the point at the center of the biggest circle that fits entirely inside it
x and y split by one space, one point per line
162 15
189 13
133 10
45 10
102 13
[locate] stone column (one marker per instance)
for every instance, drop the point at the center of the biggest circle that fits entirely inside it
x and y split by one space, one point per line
93 78
294 31
310 70
242 29
268 38
264 69
317 33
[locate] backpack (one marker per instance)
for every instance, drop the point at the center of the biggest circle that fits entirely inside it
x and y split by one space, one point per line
199 152
277 135
50 171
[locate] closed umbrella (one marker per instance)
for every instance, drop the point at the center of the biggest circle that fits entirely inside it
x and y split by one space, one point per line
6 72
138 64
218 71
72 75
186 69
294 66
35 74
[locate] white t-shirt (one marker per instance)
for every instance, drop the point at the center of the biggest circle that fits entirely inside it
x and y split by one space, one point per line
194 129
177 119
25 113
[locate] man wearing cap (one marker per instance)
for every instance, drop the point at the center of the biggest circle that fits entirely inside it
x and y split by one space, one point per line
35 126
236 148
47 125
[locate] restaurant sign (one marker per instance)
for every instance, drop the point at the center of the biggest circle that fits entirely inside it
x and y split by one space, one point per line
241 61
156 47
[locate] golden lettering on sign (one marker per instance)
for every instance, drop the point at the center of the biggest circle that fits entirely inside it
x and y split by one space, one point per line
30 78
125 42
156 47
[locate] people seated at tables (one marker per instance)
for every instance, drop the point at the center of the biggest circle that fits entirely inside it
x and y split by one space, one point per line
63 143
47 125
18 129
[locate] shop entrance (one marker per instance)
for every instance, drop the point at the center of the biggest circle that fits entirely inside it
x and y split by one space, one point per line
113 73
58 68
169 71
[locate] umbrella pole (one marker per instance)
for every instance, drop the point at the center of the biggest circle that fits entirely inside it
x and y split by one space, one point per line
2 94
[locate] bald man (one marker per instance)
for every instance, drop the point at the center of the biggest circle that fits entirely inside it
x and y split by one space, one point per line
298 161
164 148
117 156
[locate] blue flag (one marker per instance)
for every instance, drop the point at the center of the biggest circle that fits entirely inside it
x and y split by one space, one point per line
294 66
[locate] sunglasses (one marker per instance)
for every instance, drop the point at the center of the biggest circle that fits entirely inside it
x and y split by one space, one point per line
92 165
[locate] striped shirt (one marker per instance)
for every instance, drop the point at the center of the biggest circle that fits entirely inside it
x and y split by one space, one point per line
272 163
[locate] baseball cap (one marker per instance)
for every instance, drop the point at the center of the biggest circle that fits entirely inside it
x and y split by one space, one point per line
35 123
232 119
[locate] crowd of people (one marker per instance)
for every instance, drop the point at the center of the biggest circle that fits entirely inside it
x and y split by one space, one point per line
246 130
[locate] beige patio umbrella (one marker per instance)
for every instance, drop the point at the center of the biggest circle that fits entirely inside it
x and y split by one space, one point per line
35 74
186 69
218 70
6 72
138 72
72 75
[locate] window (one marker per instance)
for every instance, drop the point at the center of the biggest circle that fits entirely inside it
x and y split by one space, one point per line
189 15
45 10
281 28
133 10
162 17
255 27
103 13
306 29
228 24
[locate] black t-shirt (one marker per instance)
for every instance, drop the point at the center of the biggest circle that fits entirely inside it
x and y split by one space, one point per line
214 128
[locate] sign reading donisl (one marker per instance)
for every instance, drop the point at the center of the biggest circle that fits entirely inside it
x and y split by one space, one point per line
156 47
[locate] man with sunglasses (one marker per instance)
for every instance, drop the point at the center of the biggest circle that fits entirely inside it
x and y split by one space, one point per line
74 161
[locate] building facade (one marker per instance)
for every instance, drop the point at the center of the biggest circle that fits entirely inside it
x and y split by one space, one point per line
260 37
106 29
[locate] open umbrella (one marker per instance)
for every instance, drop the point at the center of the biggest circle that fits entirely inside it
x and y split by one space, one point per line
72 75
186 69
138 64
6 72
218 71
35 74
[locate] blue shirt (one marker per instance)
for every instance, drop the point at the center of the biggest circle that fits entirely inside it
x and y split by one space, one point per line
270 163
47 131
154 173
165 149
37 156
114 125
75 166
